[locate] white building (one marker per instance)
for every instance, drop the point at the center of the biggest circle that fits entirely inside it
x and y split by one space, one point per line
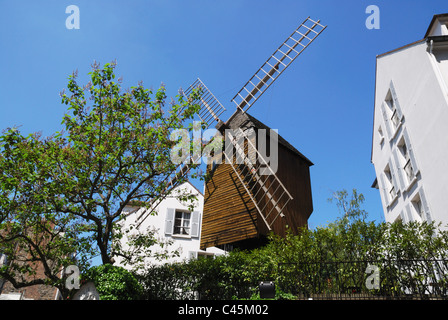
176 221
410 130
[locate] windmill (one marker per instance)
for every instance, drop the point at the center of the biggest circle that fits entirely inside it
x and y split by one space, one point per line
245 197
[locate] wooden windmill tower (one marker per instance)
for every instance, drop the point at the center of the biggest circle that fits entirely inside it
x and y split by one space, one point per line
245 196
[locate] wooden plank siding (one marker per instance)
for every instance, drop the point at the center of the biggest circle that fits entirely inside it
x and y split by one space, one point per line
229 214
295 175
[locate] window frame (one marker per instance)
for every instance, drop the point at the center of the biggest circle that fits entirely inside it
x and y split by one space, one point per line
392 113
391 187
181 225
381 134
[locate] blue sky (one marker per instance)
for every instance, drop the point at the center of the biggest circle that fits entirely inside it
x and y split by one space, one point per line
322 104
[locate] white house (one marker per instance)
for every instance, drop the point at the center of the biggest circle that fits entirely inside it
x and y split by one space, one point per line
410 129
176 221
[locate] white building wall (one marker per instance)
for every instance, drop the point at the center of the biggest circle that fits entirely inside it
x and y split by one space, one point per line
186 245
420 88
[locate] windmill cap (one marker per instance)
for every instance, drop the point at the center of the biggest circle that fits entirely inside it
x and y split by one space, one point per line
244 120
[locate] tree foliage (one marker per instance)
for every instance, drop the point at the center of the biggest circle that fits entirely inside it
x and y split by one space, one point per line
33 230
64 194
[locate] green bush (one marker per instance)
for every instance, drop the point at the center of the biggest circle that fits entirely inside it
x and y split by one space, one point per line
114 283
168 282
225 277
327 260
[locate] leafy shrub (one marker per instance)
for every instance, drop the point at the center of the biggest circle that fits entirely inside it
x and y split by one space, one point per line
328 259
325 260
168 282
114 283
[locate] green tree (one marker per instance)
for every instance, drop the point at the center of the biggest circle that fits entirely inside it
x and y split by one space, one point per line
34 233
66 193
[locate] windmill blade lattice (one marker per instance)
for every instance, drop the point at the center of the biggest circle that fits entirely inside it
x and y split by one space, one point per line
266 191
210 111
211 108
290 49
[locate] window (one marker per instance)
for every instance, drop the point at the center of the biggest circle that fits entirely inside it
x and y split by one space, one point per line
406 160
381 134
391 111
390 185
179 222
406 166
182 223
418 207
417 212
410 164
408 169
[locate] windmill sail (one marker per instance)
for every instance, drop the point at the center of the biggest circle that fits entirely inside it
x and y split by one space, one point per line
171 181
268 194
210 111
293 46
211 108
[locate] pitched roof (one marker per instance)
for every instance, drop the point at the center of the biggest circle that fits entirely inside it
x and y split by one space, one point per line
136 203
400 48
434 19
242 119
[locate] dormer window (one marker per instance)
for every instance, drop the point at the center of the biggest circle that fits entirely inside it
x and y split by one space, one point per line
438 26
444 28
